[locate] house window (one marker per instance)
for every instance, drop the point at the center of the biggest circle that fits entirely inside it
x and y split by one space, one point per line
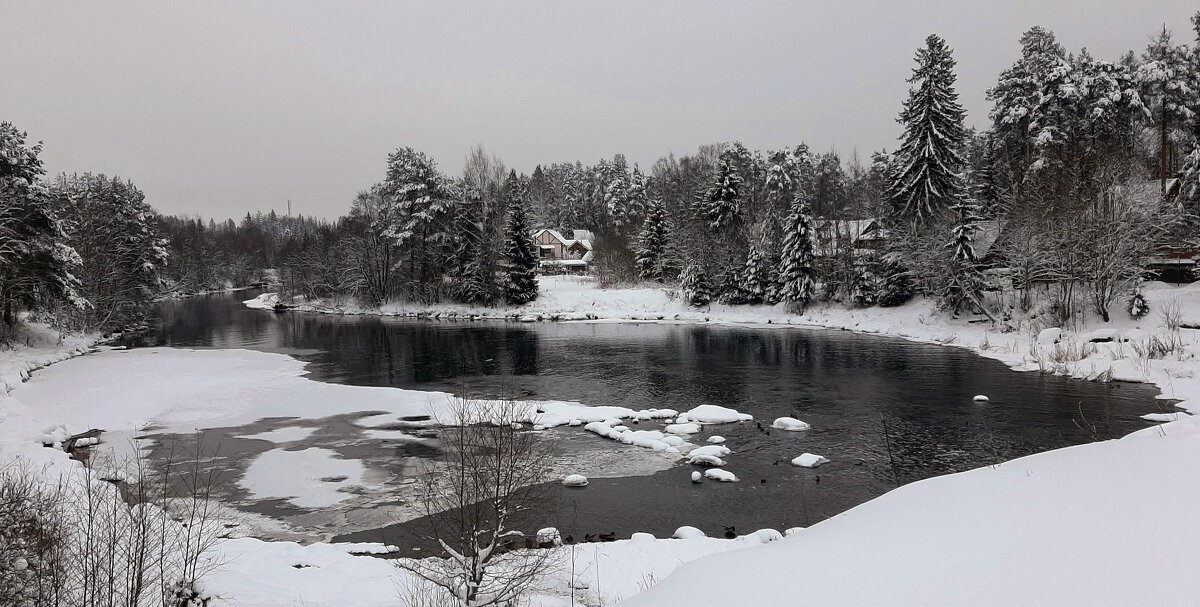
546 251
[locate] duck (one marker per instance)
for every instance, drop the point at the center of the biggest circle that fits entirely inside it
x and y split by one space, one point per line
608 537
730 532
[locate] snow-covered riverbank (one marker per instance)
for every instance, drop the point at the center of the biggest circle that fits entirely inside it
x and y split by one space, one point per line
1098 524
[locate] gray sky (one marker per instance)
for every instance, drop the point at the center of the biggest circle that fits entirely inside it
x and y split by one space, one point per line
220 107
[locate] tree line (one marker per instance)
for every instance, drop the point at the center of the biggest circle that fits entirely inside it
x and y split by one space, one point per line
1086 168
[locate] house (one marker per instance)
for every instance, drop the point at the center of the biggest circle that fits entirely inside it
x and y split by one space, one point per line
831 235
559 254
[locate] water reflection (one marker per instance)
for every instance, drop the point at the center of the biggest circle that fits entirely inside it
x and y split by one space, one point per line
883 410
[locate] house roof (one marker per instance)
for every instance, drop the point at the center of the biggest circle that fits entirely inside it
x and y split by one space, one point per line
567 242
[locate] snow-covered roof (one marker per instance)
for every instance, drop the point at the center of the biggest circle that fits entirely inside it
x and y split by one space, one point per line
585 235
567 242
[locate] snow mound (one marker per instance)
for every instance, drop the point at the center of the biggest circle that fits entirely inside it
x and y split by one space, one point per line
685 532
810 460
642 537
688 428
718 474
549 535
765 536
790 424
575 480
701 459
1165 417
980 398
714 414
714 450
266 301
696 476
716 440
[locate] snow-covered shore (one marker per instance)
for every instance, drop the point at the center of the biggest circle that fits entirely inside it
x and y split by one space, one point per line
1098 524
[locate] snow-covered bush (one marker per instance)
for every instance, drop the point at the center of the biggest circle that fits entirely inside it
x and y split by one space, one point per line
697 290
1138 308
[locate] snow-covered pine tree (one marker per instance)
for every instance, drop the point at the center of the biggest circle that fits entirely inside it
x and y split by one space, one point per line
636 201
927 179
797 279
896 287
116 234
695 285
1167 86
778 181
755 285
474 280
36 263
864 289
1016 97
423 202
966 280
520 255
721 205
654 254
616 185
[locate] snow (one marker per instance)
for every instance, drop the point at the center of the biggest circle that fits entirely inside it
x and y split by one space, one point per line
686 532
687 428
715 414
290 434
696 476
1165 417
312 478
716 440
575 480
701 459
809 460
365 547
266 301
790 424
549 535
712 450
980 398
718 474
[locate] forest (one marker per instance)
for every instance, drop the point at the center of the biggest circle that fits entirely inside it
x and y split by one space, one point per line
1089 168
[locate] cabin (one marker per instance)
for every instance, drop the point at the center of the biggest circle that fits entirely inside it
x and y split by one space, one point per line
560 254
830 236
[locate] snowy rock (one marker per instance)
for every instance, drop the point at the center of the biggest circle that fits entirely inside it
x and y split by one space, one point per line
642 537
980 398
575 422
575 480
1049 337
549 535
718 474
713 414
696 476
790 531
702 459
716 440
714 450
765 536
686 533
809 460
688 428
673 441
790 424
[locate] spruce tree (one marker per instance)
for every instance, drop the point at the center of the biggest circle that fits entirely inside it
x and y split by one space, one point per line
474 282
1016 97
754 277
697 290
721 206
797 283
654 255
897 284
520 255
1167 86
927 180
37 265
966 280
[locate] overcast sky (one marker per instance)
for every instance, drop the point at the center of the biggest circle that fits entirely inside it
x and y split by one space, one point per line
217 108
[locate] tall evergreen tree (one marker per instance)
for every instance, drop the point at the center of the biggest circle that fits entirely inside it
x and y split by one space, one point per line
474 280
696 287
966 281
656 259
520 255
755 275
1167 86
721 206
797 282
927 180
423 203
36 264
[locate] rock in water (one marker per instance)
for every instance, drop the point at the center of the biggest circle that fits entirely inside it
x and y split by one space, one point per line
575 480
979 398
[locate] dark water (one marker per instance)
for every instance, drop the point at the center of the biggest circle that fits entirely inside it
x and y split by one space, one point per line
885 411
